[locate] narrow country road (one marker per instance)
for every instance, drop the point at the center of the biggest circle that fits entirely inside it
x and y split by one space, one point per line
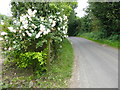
95 65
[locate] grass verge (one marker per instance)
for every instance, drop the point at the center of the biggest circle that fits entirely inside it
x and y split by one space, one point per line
112 43
57 77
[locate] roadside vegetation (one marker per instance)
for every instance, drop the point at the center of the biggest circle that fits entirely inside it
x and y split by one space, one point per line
58 76
33 41
107 41
100 24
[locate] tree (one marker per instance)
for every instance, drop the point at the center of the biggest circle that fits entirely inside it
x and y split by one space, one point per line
108 14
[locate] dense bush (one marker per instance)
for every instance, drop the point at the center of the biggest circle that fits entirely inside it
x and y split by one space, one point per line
32 29
102 20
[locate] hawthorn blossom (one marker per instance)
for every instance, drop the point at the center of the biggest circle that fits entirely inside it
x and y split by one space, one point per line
16 22
11 29
25 26
1 39
20 31
32 13
22 18
58 29
58 13
65 32
65 35
63 27
25 22
53 23
3 33
2 23
61 19
42 27
23 34
32 31
34 26
6 37
14 42
65 17
61 40
46 32
29 34
21 27
39 34
9 48
42 18
50 20
5 48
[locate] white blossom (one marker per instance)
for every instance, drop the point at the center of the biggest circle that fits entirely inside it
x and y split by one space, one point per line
25 22
58 28
32 13
65 17
3 33
34 26
14 42
35 11
42 27
9 48
20 31
61 40
32 31
53 23
29 11
5 48
46 32
1 39
15 21
11 29
21 27
63 27
51 16
29 17
61 19
39 34
6 37
2 23
29 34
65 35
50 20
42 18
65 32
25 26
58 13
23 34
22 18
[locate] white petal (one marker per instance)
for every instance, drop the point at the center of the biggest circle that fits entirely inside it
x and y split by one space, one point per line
38 35
1 39
3 33
29 34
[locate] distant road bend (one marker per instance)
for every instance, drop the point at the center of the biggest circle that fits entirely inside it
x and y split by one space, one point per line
95 65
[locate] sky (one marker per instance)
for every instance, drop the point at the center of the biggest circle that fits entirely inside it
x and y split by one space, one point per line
81 5
5 7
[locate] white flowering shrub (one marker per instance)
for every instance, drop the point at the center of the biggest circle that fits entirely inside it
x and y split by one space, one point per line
30 30
36 28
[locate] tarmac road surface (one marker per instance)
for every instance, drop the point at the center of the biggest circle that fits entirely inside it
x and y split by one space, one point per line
95 65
